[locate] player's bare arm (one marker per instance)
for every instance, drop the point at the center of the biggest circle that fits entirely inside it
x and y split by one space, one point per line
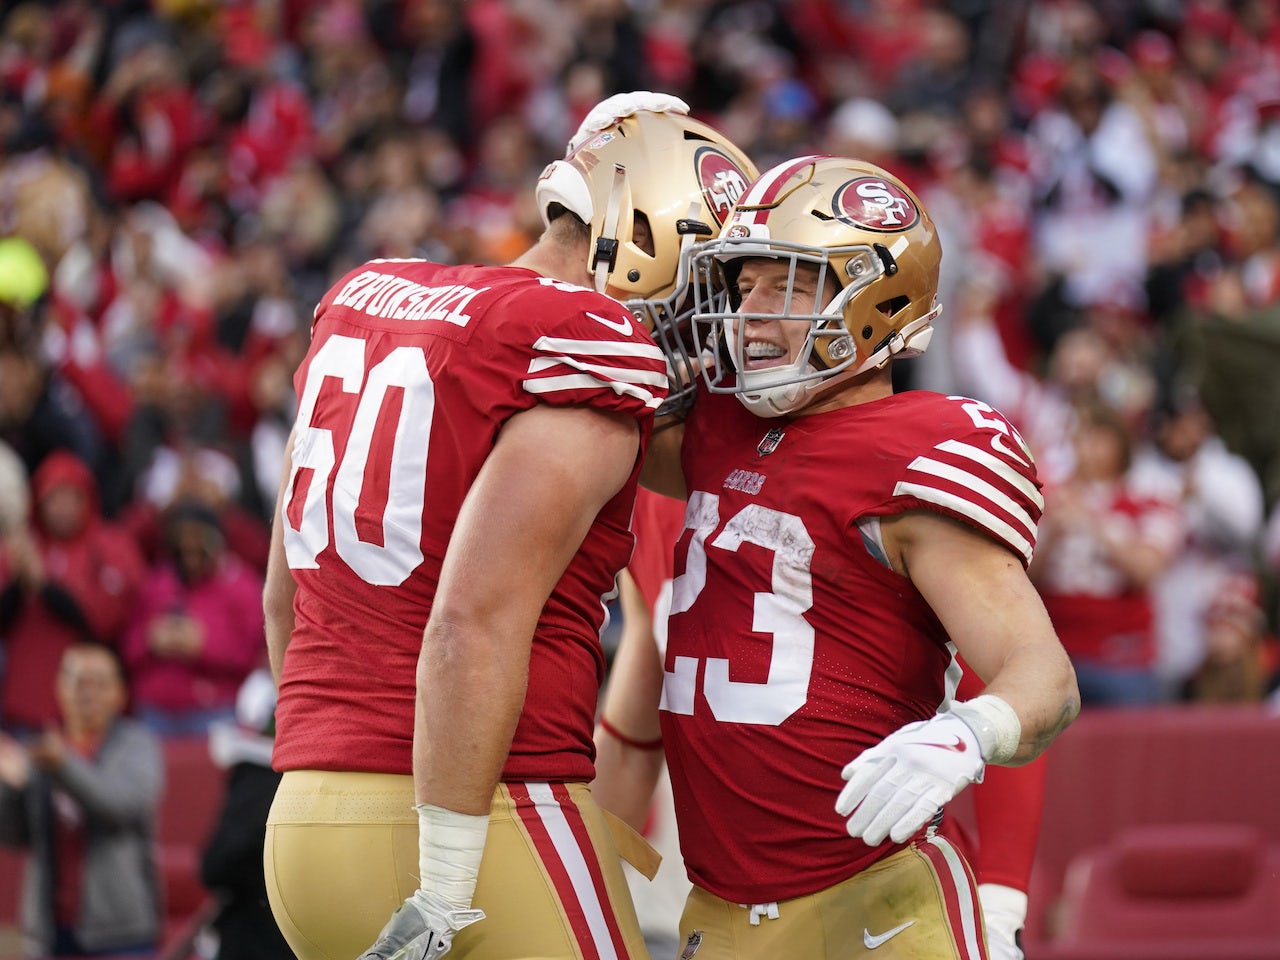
550 472
989 607
661 471
629 754
278 591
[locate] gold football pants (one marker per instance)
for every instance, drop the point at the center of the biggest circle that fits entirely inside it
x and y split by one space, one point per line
342 853
919 904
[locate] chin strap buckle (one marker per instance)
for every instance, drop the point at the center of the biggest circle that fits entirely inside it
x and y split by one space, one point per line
605 257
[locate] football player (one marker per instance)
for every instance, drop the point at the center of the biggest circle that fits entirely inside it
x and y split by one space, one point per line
842 545
452 514
631 779
630 775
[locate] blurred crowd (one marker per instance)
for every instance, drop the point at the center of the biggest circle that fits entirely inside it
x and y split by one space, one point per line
180 180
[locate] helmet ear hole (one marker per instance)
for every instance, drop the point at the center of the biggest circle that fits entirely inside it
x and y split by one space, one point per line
893 305
642 233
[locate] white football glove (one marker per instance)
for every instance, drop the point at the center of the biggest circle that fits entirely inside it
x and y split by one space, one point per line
898 785
1004 909
422 928
621 105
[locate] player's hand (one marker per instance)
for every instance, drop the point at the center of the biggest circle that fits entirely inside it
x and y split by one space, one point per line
612 109
897 786
1004 912
422 928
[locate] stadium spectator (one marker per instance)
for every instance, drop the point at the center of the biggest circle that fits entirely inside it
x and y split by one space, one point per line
1093 172
70 575
1186 256
197 629
1082 368
1186 462
146 119
1102 546
1239 656
39 410
82 797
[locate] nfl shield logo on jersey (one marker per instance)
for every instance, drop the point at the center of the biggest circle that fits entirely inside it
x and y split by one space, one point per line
770 442
692 945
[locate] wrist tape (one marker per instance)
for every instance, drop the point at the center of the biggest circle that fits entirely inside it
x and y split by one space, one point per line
994 723
450 846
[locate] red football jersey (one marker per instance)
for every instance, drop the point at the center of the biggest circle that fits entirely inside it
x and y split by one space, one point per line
791 647
412 371
657 524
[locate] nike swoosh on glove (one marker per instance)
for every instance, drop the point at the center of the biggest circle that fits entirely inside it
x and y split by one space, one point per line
612 109
422 928
898 785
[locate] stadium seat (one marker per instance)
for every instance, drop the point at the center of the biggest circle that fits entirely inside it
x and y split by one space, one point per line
194 789
1148 814
1213 883
12 864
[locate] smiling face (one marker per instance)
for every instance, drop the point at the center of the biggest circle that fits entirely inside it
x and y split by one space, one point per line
763 285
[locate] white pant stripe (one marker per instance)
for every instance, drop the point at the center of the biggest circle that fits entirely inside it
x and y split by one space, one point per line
575 864
964 897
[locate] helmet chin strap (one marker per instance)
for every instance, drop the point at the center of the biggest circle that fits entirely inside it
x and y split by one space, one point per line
605 256
910 341
779 401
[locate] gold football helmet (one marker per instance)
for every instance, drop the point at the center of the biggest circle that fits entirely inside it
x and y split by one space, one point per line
649 183
877 254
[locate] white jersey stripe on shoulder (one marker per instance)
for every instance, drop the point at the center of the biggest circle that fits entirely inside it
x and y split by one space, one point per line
575 864
968 907
602 372
997 466
976 484
584 381
966 508
600 348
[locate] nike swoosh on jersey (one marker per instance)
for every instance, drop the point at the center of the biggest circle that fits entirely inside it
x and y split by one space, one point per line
871 941
623 327
959 746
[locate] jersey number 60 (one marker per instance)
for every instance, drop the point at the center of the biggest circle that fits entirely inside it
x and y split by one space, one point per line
390 562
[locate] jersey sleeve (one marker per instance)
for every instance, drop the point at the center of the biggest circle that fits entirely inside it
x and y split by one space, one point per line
976 469
656 523
588 349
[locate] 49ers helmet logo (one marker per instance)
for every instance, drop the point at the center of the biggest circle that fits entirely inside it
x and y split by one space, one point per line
722 182
873 203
